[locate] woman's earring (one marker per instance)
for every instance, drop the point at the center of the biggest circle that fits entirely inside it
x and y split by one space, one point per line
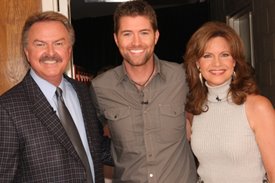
234 75
200 76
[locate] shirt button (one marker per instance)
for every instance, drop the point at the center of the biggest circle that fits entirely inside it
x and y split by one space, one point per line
151 175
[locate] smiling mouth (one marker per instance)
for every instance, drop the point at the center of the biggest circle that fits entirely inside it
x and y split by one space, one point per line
217 72
49 61
136 51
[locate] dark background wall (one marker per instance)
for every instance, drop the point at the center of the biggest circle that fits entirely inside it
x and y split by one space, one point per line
95 48
263 26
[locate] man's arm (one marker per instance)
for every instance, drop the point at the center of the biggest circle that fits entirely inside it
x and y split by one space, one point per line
9 147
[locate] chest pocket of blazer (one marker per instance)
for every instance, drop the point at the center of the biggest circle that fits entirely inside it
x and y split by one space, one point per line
172 121
121 126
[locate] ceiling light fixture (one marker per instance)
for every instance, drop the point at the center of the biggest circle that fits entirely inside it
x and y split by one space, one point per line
104 1
115 1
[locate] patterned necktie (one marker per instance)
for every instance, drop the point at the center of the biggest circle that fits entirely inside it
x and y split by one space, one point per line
71 130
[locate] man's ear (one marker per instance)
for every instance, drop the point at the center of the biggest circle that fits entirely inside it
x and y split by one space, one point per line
115 38
26 52
156 36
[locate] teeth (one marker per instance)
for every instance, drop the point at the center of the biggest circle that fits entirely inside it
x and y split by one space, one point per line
50 62
136 51
217 71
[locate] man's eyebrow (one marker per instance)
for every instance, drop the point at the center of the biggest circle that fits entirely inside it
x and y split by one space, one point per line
38 40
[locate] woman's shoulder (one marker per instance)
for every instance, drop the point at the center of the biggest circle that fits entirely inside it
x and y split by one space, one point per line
259 109
258 102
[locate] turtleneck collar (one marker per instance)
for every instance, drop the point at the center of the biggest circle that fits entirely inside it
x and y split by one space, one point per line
218 93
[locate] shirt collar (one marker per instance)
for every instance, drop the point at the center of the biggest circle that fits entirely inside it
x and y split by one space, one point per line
47 88
159 70
122 73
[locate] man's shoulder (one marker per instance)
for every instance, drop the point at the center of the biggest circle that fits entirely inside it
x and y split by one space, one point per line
109 77
172 68
171 64
75 83
16 97
17 90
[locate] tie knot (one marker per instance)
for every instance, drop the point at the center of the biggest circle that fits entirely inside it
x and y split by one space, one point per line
58 92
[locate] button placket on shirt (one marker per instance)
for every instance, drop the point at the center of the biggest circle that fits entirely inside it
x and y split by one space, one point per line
147 136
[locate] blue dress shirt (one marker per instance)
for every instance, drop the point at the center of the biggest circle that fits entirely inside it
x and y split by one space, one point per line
72 103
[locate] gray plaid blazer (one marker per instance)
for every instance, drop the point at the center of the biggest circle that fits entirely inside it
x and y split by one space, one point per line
34 146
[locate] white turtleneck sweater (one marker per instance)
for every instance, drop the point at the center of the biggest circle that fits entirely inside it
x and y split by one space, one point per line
224 143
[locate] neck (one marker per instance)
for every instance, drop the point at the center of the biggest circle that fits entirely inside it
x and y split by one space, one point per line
141 75
218 93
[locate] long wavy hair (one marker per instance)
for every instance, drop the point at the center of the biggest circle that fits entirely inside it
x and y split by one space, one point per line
243 82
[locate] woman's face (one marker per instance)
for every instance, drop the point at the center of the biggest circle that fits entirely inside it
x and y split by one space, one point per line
217 64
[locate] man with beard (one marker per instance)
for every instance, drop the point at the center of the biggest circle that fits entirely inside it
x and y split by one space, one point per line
142 101
36 136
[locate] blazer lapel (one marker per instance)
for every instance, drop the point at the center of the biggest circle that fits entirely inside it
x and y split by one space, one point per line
45 113
86 112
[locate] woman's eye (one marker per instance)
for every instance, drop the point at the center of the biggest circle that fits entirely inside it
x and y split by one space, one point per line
225 55
206 56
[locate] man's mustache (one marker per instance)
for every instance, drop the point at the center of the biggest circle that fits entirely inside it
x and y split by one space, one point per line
47 57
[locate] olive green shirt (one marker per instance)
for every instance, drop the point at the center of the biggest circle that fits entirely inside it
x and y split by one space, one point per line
147 126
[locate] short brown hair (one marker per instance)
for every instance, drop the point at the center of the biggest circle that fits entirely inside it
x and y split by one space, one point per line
135 8
44 17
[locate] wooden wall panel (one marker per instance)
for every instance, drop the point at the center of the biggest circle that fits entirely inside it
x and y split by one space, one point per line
13 14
